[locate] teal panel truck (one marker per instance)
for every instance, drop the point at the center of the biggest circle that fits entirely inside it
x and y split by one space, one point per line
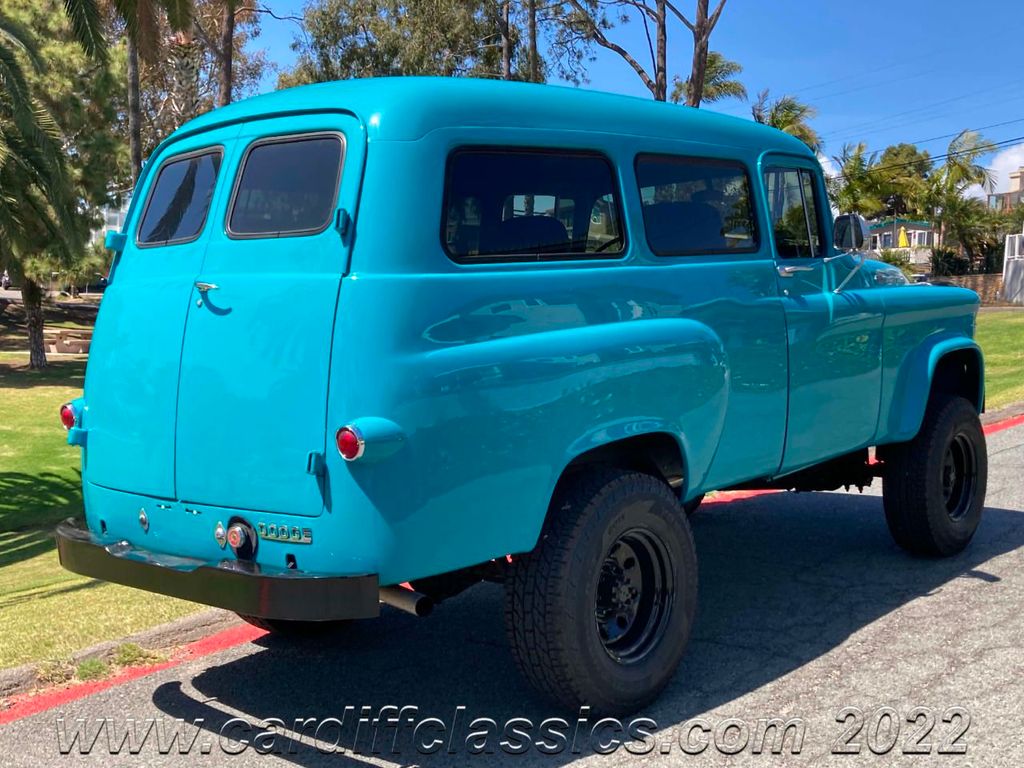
374 342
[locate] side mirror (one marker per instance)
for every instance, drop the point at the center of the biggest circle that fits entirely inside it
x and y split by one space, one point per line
850 232
114 240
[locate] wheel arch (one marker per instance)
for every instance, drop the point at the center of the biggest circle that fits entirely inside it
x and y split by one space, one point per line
950 366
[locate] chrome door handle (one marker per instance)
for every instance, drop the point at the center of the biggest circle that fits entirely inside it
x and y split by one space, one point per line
204 287
790 270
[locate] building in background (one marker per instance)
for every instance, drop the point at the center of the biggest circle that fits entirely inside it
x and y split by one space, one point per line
915 237
113 218
1005 201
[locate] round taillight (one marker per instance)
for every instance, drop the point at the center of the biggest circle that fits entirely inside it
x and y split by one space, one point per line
350 443
67 416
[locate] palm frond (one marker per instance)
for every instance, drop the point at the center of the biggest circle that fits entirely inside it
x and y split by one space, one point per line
87 26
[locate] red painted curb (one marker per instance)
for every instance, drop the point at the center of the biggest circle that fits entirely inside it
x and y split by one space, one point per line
26 704
999 426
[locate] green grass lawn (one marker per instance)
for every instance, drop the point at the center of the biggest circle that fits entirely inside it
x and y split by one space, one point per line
48 613
45 611
1001 336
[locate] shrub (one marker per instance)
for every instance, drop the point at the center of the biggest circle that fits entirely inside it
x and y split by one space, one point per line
947 262
897 259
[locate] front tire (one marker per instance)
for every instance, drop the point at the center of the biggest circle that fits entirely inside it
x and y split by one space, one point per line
934 486
599 613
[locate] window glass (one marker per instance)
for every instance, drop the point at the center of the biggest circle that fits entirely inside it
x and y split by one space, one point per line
792 204
530 205
287 187
180 200
695 205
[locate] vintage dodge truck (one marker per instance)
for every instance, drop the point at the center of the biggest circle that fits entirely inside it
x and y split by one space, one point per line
377 341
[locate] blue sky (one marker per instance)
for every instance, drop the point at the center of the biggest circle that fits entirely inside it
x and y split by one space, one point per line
879 72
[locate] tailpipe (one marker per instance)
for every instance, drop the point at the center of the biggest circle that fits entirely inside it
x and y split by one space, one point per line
407 600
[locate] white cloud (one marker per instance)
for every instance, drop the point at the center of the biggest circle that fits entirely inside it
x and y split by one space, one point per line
828 165
1004 163
1001 165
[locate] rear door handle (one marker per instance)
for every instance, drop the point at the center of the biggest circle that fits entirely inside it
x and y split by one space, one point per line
790 270
204 287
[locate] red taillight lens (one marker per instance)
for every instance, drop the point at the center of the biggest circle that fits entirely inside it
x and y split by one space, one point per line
350 443
67 416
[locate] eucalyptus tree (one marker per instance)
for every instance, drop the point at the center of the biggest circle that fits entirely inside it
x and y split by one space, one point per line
597 17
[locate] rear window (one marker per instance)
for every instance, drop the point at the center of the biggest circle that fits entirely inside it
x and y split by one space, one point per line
530 205
180 199
695 205
287 187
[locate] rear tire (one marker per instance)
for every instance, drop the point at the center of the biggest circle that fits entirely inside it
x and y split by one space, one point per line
934 485
599 613
294 629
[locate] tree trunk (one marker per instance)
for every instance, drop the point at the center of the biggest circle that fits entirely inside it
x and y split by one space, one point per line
227 51
506 41
531 25
32 299
697 72
661 64
134 110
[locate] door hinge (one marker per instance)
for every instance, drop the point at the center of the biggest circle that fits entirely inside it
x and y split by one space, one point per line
315 464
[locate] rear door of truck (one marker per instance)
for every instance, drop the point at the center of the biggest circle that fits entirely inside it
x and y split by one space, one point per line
131 386
255 360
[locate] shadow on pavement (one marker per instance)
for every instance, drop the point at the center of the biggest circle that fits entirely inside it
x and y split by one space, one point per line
785 578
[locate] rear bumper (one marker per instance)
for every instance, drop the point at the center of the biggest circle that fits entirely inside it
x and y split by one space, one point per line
235 585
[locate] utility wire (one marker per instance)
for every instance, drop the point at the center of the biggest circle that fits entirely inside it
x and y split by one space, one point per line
1017 140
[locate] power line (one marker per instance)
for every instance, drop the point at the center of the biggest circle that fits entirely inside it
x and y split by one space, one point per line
988 147
887 118
845 137
952 135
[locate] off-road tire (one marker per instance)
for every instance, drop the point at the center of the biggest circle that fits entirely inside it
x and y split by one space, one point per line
294 629
552 613
916 488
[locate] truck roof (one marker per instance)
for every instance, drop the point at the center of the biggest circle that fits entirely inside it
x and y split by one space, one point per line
407 108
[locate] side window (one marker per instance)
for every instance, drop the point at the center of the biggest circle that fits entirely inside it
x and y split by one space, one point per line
530 205
695 205
286 187
793 207
179 199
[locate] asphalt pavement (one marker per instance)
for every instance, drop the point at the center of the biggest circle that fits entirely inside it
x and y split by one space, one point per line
809 614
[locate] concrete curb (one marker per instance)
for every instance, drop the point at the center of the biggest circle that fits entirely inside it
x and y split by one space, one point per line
1008 412
163 637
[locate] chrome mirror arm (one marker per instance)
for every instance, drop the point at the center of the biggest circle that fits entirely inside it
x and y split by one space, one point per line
854 271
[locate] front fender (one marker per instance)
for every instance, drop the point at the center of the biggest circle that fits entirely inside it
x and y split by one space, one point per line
913 385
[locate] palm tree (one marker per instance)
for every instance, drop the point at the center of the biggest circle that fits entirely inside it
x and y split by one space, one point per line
719 81
947 186
857 186
37 203
790 115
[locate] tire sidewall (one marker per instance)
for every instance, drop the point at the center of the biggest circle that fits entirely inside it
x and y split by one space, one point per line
626 686
953 417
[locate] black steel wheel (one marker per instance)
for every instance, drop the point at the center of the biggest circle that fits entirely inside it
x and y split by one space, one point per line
633 596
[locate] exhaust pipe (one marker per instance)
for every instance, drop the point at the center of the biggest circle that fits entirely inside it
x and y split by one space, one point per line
407 600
